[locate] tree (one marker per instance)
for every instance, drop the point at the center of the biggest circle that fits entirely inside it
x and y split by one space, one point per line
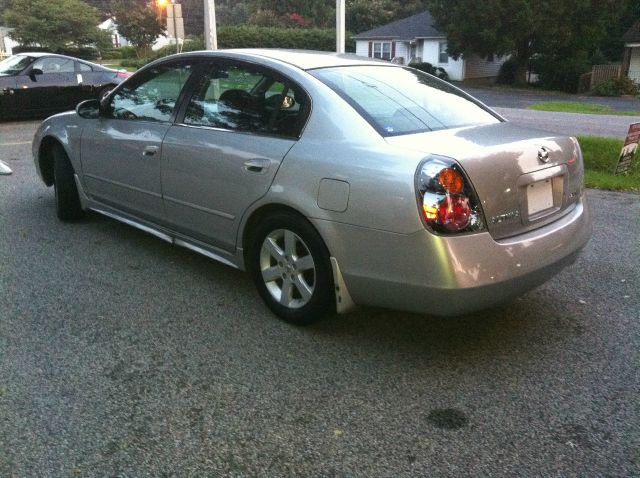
55 25
138 24
522 28
363 15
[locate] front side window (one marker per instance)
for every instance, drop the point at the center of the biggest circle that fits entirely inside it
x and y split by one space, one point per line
443 55
153 96
382 50
14 64
403 100
239 98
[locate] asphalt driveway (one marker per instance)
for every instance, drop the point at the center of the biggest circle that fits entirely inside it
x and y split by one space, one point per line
124 356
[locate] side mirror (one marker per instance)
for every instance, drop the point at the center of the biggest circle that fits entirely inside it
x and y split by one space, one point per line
35 72
88 109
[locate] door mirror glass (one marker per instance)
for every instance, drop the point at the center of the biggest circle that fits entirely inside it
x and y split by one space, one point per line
88 109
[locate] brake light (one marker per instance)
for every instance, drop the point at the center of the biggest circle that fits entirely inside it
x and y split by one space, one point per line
123 74
446 198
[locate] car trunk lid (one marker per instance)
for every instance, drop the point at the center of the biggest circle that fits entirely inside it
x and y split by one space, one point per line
524 178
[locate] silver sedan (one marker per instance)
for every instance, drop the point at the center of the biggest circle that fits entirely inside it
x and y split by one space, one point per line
334 180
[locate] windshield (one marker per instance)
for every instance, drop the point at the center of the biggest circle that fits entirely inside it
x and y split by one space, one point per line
403 100
14 64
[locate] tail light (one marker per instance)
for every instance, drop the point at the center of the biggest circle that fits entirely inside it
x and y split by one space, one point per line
446 200
123 74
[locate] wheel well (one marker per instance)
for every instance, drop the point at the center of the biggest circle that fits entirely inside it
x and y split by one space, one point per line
45 158
262 212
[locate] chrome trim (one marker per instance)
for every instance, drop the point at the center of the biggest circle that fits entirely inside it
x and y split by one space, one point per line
126 186
204 252
344 302
150 230
201 208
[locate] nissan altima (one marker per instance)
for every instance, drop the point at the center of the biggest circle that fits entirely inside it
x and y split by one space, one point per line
334 180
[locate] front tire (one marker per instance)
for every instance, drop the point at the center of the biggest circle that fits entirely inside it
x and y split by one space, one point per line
68 207
290 266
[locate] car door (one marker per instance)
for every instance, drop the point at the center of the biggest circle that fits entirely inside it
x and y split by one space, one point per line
121 150
8 104
224 152
48 86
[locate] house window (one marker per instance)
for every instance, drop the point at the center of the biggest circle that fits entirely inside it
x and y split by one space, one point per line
382 50
443 56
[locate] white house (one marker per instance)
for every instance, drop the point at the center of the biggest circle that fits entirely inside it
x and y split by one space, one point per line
6 43
415 39
631 61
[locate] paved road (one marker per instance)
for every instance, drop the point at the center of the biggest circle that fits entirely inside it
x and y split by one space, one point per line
124 356
573 124
512 98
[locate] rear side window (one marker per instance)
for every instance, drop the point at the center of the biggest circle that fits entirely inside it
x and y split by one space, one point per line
400 101
239 98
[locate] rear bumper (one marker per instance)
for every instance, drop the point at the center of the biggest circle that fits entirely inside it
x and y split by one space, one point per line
439 275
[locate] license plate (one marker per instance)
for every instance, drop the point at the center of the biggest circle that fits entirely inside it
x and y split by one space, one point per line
539 196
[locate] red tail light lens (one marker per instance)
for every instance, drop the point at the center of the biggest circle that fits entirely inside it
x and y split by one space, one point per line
446 199
454 212
123 74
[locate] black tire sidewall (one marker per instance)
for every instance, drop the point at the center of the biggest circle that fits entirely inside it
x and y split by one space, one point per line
323 299
68 207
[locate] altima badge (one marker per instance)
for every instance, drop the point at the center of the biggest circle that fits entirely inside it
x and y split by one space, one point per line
543 154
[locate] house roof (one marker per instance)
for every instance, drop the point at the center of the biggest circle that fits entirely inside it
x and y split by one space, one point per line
420 25
633 34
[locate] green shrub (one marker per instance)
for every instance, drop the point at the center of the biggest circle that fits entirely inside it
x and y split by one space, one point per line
134 62
111 54
128 52
556 73
432 70
615 87
507 73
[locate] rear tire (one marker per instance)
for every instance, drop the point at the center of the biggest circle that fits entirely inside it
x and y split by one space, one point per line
68 207
290 267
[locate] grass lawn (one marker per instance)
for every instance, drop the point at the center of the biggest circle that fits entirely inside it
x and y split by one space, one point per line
600 158
585 108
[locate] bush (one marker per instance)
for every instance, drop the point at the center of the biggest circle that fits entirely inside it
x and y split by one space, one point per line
615 87
507 73
128 52
134 62
555 73
432 70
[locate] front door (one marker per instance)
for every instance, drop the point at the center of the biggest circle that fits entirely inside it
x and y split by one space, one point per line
121 150
224 153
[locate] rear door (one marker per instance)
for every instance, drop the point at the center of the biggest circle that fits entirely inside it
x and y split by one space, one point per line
225 150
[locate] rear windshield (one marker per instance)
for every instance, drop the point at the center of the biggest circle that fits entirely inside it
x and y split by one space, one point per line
403 100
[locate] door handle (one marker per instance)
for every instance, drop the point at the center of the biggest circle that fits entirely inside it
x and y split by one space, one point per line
150 151
257 165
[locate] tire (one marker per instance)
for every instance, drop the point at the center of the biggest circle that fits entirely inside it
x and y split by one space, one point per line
68 206
290 266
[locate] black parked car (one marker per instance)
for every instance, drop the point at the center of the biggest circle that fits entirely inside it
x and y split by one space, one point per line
40 84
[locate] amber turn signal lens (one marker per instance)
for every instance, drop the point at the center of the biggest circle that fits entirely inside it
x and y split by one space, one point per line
451 180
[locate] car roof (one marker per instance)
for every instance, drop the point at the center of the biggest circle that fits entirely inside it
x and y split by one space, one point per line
39 54
303 59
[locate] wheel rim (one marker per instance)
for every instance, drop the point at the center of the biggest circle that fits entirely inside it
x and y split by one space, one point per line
288 269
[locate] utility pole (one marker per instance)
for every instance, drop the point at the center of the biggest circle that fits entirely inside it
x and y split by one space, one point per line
210 33
340 26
